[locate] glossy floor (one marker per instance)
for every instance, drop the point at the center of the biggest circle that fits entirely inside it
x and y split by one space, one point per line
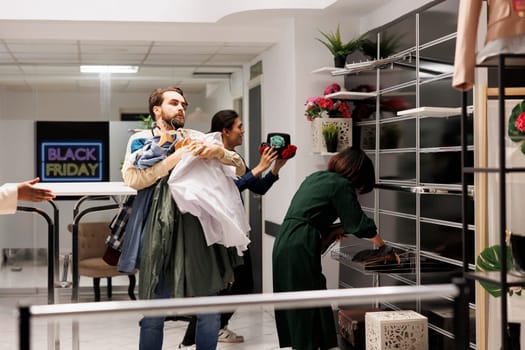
256 326
25 284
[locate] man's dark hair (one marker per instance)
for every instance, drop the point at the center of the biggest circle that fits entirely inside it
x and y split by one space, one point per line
223 119
355 165
157 97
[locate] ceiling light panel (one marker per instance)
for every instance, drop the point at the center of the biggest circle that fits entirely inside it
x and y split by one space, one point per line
113 69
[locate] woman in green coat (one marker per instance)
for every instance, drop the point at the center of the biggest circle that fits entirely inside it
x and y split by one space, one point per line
305 233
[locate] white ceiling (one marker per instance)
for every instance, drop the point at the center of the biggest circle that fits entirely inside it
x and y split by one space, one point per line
55 64
32 63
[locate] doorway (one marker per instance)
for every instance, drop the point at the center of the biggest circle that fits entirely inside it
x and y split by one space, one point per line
255 200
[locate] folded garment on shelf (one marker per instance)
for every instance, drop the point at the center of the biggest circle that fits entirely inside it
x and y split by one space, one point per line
384 254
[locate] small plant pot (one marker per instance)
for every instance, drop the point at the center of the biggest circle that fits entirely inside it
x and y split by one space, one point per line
331 145
344 136
339 61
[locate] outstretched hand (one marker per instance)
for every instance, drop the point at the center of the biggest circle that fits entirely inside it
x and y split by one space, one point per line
279 163
27 192
267 157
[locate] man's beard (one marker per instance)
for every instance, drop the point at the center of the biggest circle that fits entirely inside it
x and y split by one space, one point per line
173 122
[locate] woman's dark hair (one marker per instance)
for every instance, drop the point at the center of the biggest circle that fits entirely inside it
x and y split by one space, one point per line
157 97
355 165
223 119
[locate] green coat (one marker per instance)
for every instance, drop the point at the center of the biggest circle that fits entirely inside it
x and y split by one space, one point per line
322 198
174 245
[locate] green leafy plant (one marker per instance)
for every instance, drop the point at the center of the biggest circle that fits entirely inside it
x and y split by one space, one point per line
330 131
147 122
335 44
388 45
490 260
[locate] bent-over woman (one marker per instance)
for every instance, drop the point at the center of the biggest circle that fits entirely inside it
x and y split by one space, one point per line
305 233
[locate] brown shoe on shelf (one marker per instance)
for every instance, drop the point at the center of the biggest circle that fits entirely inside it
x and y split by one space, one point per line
228 336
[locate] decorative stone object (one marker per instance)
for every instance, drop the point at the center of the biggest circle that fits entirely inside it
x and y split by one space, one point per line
399 330
345 133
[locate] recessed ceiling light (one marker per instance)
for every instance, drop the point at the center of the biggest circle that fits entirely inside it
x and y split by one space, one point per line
108 69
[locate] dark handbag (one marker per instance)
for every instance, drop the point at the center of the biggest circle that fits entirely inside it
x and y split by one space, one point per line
118 229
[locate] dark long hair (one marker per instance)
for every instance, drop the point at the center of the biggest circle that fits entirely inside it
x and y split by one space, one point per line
223 119
355 165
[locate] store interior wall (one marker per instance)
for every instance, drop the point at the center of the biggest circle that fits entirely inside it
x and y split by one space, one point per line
287 82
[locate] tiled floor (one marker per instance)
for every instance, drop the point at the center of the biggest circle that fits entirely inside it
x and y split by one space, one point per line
112 333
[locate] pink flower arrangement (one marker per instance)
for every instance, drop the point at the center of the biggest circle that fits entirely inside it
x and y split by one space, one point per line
318 107
315 106
516 128
340 110
520 122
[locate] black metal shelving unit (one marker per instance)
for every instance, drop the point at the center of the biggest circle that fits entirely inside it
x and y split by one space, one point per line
504 63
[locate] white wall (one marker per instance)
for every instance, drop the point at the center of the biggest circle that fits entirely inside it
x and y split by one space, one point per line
75 106
218 96
287 83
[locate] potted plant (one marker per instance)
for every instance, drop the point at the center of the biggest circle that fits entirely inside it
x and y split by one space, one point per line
337 47
321 110
490 260
331 134
388 45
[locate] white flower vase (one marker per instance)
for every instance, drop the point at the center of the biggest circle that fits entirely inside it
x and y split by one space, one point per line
345 133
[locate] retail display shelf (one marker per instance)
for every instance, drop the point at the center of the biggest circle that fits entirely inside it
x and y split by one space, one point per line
357 67
351 95
430 112
426 188
407 262
327 70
